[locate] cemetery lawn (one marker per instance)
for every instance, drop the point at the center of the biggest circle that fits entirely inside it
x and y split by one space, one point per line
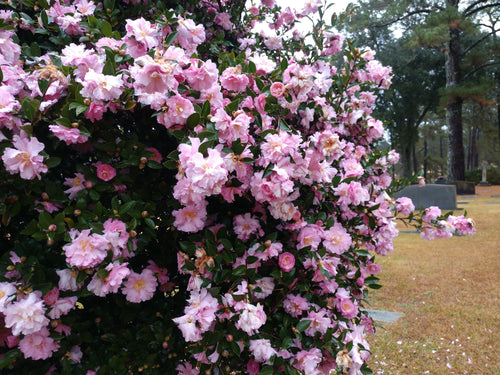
449 293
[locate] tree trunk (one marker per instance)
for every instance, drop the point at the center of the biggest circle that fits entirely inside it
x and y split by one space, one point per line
425 159
456 166
498 105
406 162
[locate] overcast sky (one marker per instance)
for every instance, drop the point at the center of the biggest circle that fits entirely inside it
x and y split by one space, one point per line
338 5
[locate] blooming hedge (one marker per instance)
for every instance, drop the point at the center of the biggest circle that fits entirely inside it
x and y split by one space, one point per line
180 194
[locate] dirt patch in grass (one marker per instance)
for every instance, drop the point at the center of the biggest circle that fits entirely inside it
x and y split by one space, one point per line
449 293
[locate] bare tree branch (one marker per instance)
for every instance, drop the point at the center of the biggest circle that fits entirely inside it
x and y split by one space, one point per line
472 11
480 40
470 7
479 68
407 15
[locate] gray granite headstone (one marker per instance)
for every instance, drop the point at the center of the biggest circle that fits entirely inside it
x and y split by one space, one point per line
442 196
384 316
465 187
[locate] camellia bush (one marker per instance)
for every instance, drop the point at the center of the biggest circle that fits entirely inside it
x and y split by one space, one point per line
182 195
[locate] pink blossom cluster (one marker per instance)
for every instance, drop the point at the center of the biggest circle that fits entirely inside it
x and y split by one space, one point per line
275 208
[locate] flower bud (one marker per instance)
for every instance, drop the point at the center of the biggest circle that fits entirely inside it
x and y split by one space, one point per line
52 228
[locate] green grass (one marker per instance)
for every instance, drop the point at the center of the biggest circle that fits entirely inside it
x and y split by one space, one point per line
449 293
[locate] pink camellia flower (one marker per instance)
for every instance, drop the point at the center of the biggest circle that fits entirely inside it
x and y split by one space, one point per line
320 322
207 174
245 226
95 112
373 268
266 286
277 89
337 240
143 32
100 87
38 345
67 279
404 206
232 79
286 261
262 350
345 305
253 367
76 184
140 287
308 361
61 307
187 369
26 316
191 218
7 293
224 20
179 109
85 250
68 135
156 154
431 213
189 34
106 172
24 158
9 50
51 296
463 225
251 318
295 305
201 75
115 231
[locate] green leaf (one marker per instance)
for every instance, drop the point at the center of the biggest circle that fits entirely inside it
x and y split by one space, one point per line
109 68
9 358
303 325
106 28
193 120
149 222
226 243
239 271
154 164
94 195
109 4
170 39
102 273
80 277
44 219
53 162
78 107
30 107
284 125
284 64
267 370
364 253
233 106
187 246
93 22
205 110
170 164
372 280
126 207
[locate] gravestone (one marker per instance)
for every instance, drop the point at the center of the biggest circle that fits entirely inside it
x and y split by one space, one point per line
465 187
484 182
442 196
